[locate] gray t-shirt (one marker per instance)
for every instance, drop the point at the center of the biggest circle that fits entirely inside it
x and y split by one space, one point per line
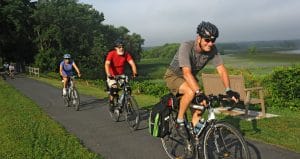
186 56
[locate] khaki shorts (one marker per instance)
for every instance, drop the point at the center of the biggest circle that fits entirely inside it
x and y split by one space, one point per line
173 81
110 82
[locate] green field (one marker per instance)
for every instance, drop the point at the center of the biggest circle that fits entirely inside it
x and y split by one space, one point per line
27 132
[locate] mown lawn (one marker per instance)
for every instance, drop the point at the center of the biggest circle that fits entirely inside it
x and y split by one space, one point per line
27 132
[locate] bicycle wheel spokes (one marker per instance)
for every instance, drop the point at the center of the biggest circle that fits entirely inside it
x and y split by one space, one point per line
172 143
224 141
115 114
75 99
66 101
132 113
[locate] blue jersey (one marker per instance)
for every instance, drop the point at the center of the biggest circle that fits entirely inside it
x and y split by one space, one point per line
67 69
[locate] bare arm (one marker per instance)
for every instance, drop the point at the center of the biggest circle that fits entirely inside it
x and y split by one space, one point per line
133 67
190 79
224 75
77 69
60 70
106 65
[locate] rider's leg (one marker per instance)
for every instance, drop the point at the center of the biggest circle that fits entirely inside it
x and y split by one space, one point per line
110 82
187 97
65 79
196 117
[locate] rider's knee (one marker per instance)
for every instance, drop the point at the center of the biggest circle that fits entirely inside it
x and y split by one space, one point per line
189 93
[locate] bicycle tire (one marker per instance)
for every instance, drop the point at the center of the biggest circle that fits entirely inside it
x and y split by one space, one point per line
75 99
132 113
115 114
66 101
224 141
173 144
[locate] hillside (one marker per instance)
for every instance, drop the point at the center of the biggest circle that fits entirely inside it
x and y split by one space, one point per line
168 50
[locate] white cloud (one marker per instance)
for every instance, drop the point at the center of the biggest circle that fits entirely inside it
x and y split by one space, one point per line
165 21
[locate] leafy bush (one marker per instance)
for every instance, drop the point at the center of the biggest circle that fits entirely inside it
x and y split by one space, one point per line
157 89
283 86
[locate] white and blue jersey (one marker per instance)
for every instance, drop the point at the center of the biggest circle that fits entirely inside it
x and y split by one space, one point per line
67 69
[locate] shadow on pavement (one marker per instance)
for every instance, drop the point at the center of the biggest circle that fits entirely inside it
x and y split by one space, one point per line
144 115
91 104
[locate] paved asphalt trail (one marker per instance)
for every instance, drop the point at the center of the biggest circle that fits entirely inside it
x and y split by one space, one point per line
113 140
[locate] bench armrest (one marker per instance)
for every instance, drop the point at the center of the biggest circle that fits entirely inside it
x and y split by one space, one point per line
253 88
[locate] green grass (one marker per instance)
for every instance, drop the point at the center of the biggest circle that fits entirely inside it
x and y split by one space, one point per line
27 132
283 131
87 88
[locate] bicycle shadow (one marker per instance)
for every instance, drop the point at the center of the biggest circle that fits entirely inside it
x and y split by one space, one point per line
235 121
90 104
144 115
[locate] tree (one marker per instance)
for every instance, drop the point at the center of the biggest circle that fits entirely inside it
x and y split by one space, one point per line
16 34
64 26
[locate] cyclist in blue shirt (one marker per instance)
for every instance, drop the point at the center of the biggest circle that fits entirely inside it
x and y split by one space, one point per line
66 70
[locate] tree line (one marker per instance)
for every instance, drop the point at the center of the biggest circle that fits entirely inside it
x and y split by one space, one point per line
40 32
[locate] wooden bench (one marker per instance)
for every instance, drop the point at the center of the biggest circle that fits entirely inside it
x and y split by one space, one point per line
213 84
34 71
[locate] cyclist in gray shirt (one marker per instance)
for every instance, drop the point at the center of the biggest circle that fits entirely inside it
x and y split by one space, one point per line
190 58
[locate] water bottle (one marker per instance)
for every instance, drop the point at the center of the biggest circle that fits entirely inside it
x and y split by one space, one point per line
198 126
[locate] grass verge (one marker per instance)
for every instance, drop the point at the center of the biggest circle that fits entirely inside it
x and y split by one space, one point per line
27 132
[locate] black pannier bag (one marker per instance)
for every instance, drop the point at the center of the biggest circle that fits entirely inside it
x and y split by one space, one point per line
159 116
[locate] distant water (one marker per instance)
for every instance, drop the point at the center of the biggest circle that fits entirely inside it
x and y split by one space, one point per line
289 52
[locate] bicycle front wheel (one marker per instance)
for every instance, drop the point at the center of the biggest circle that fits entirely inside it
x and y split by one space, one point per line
75 99
224 141
174 145
132 113
115 112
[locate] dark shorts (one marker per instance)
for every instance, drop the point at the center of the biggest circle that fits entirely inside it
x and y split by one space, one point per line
173 81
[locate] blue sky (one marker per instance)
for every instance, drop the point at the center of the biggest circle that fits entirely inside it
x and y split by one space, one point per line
169 21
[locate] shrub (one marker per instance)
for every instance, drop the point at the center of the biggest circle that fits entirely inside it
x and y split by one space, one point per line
283 87
151 88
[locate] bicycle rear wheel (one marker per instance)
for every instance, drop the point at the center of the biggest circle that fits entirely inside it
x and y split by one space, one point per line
132 113
173 144
224 141
75 99
115 114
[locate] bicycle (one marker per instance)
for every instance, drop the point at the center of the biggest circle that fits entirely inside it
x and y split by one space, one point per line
125 104
72 97
216 139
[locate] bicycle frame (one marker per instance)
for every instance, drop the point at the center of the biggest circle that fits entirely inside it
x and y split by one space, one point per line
70 85
123 83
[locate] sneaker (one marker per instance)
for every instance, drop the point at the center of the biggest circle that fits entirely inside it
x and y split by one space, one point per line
64 91
182 131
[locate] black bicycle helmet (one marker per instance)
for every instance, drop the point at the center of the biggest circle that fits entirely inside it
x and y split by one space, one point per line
207 30
119 42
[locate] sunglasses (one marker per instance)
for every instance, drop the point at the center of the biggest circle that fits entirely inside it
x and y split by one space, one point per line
210 40
120 46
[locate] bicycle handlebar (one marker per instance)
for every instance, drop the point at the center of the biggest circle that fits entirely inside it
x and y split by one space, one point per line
216 98
121 77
